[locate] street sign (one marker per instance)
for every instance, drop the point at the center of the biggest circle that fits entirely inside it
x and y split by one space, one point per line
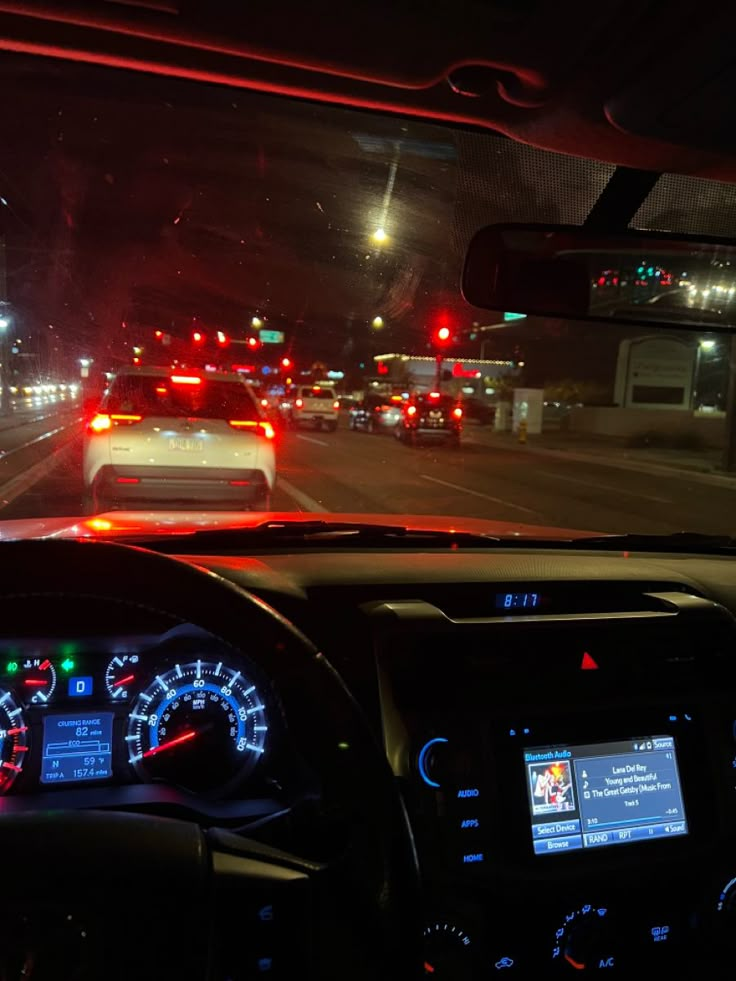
271 337
514 316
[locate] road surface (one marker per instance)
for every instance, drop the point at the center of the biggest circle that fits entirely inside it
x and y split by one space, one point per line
356 472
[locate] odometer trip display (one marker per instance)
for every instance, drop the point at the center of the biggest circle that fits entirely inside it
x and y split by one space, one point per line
199 725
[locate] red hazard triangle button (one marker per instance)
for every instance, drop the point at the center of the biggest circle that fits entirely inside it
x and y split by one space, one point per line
588 663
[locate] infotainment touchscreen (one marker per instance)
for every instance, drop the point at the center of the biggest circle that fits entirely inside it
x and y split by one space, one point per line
602 794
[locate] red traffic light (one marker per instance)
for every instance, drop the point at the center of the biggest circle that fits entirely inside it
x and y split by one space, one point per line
222 339
286 362
253 343
198 337
158 334
443 335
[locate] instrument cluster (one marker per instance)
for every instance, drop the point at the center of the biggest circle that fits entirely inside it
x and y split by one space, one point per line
182 709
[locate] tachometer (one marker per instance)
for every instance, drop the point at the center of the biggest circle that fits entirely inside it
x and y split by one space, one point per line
200 725
13 740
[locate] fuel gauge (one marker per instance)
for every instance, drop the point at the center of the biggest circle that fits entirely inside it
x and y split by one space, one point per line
120 675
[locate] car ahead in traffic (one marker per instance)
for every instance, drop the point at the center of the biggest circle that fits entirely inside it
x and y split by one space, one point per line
376 413
177 439
315 406
431 417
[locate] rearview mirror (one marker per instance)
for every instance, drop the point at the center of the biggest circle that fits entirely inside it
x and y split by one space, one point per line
577 273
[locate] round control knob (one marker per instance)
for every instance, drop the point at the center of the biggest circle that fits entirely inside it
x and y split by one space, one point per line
586 940
727 899
430 761
448 952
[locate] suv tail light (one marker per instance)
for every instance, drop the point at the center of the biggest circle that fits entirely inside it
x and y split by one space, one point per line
457 412
299 403
102 421
261 428
335 404
411 410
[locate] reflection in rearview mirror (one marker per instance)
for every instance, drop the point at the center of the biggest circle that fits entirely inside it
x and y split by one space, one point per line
582 274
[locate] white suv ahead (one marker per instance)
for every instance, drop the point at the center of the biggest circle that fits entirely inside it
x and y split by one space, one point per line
315 406
168 439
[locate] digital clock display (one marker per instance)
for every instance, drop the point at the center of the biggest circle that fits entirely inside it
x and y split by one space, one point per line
518 601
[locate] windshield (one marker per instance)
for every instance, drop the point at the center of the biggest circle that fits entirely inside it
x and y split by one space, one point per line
309 257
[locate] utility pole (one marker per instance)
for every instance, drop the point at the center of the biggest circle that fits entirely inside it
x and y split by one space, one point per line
441 338
729 455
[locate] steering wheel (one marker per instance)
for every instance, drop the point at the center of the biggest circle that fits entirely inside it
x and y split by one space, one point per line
165 898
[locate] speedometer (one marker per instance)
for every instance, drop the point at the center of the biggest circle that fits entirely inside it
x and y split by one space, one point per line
201 725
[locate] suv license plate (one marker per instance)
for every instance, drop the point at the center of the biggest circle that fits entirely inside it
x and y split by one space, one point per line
187 445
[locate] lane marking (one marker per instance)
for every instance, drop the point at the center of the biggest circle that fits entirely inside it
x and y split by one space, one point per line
311 439
16 486
475 493
307 502
604 487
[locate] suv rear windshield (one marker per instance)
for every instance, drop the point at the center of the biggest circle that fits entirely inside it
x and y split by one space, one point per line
443 402
318 393
160 396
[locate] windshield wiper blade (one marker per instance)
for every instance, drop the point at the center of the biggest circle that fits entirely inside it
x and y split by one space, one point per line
347 533
680 541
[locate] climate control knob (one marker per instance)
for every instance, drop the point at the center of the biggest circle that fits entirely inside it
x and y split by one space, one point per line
585 940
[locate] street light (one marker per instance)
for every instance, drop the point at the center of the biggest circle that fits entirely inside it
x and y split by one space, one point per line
377 323
4 323
707 345
256 323
380 236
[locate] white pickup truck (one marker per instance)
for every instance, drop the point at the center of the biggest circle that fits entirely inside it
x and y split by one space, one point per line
315 406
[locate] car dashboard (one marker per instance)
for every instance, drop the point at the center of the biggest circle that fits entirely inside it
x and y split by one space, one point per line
562 727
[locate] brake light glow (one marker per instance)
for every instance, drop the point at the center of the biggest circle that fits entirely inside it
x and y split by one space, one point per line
316 388
299 403
264 403
127 480
160 390
100 423
396 398
186 379
335 404
262 428
239 483
457 412
411 410
434 395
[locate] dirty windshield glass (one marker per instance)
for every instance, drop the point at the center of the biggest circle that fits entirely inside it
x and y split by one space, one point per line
255 268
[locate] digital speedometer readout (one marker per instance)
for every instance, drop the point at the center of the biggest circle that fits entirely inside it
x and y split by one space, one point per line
199 725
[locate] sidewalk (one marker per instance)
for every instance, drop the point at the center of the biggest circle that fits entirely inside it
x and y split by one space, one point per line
704 465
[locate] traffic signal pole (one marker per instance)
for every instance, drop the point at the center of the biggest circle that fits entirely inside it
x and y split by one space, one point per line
729 455
438 372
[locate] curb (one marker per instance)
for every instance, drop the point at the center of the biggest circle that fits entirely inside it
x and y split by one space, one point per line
637 466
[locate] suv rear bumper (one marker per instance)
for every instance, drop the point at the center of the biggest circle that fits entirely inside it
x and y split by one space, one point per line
120 486
440 434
